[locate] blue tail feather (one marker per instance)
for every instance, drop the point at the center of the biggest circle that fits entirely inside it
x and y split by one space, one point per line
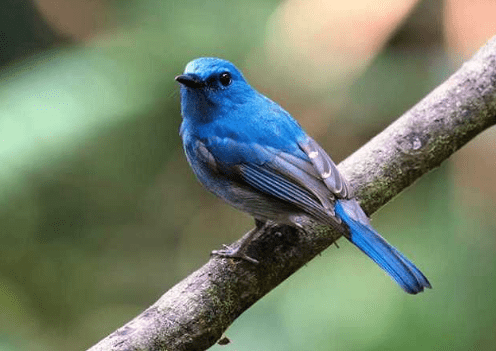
420 276
404 272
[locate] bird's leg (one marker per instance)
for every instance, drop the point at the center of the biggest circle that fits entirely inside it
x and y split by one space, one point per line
240 251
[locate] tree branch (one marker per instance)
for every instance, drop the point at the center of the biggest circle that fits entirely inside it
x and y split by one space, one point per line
193 314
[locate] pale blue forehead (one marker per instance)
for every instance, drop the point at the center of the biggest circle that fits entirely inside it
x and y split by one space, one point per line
205 66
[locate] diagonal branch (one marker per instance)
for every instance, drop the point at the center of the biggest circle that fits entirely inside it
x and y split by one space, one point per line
193 314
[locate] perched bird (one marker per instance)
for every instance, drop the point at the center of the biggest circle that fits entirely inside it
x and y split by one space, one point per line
249 151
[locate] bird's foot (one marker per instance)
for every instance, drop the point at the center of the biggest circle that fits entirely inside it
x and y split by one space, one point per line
229 252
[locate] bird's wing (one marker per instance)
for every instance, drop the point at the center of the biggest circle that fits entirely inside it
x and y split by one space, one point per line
279 174
326 168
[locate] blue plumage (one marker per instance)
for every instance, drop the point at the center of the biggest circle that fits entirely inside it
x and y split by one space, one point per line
250 152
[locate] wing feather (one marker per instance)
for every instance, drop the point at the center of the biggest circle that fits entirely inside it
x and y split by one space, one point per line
326 168
298 180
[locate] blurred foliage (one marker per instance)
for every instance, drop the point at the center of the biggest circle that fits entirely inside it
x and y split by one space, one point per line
100 213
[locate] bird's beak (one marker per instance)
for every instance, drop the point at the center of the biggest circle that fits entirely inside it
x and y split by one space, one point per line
190 81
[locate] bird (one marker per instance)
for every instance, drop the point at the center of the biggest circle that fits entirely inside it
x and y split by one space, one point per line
247 150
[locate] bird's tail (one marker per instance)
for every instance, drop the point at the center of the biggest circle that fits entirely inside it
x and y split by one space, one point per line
404 272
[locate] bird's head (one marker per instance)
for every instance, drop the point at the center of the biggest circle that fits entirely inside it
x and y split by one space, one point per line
212 86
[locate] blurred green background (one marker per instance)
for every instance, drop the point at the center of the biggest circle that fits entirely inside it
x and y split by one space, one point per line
100 213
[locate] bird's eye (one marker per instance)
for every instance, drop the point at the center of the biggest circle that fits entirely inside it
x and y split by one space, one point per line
225 79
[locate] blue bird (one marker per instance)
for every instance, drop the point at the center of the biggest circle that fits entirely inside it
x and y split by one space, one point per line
250 152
